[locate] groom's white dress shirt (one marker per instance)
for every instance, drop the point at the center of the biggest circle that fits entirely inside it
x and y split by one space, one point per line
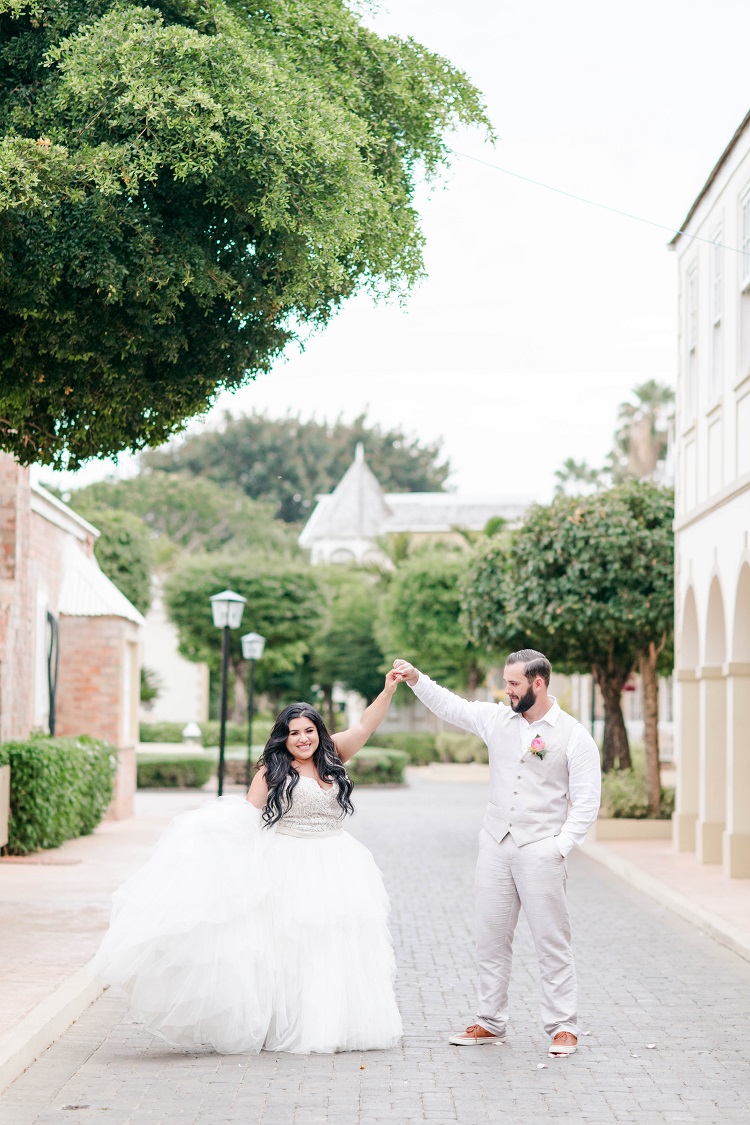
530 797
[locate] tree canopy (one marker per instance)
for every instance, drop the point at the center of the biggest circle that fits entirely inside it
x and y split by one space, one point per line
186 186
283 604
346 651
192 513
288 462
588 580
419 617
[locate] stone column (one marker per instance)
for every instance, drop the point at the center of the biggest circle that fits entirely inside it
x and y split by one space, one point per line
713 764
736 838
687 715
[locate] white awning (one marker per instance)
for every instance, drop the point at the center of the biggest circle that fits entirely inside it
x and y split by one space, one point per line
87 592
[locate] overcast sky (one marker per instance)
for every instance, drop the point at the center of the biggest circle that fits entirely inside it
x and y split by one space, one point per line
539 313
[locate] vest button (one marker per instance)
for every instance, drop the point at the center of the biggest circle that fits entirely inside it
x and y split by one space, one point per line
509 824
512 808
518 777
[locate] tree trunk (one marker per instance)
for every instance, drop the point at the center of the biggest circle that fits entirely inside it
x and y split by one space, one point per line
615 747
328 712
238 710
472 682
647 658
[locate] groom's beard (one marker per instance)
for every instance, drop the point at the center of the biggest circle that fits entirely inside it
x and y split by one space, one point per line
525 703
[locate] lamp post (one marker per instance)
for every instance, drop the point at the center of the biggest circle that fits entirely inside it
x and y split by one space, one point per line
226 608
252 650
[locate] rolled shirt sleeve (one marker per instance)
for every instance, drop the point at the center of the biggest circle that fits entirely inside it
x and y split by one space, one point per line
585 788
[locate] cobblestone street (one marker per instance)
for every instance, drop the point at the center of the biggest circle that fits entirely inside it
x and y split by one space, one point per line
646 977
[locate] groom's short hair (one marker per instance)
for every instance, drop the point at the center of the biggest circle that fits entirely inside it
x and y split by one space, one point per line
535 664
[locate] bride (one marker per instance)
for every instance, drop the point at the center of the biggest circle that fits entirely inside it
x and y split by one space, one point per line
259 923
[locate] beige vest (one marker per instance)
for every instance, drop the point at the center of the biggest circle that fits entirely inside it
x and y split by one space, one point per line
528 795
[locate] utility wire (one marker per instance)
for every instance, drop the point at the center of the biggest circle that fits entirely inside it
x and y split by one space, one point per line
594 203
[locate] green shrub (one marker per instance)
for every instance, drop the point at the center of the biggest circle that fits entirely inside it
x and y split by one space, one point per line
378 766
372 766
419 745
161 732
624 795
461 748
236 733
155 772
59 788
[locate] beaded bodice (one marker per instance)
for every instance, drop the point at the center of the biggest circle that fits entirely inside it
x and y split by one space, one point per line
314 811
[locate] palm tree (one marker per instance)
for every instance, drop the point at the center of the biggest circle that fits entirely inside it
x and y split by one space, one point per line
578 476
643 431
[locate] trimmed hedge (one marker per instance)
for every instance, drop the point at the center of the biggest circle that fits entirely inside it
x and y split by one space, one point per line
624 795
59 788
377 766
420 746
461 748
372 766
155 772
236 733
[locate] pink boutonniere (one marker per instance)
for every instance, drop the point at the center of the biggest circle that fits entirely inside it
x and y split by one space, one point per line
537 747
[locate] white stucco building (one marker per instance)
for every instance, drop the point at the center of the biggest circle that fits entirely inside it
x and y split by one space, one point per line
183 684
712 524
350 523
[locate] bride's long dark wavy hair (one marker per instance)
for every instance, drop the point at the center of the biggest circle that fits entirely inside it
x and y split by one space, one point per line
281 774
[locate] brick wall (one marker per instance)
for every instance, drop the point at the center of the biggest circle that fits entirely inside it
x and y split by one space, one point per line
95 658
16 602
98 682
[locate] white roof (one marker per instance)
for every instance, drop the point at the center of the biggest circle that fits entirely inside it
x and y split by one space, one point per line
441 511
87 592
358 509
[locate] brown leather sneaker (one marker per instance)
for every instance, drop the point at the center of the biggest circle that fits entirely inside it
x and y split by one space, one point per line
564 1043
476 1036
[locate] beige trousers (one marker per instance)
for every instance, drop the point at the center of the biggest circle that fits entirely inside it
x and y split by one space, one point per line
534 877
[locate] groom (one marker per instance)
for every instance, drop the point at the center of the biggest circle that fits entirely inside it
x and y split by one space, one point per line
540 759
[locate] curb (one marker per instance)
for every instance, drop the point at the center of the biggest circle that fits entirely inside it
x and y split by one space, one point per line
711 924
45 1023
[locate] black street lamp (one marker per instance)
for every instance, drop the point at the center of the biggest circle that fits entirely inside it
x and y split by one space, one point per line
252 650
226 608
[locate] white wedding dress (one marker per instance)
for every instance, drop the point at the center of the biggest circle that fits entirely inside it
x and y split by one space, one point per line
246 938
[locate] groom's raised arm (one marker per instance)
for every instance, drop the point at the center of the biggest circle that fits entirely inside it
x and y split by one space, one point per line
469 715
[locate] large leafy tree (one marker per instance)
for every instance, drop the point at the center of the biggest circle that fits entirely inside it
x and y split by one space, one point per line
283 604
589 581
185 186
288 462
346 651
191 513
419 618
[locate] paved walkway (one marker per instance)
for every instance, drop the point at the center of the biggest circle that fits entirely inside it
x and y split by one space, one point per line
647 977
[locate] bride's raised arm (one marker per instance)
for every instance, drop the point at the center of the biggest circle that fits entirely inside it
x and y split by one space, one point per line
348 742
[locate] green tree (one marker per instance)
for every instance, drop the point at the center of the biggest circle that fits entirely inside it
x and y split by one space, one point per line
288 462
487 597
346 650
588 581
419 618
283 604
187 186
193 513
124 551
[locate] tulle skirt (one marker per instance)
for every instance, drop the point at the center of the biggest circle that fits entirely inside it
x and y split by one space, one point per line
243 938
